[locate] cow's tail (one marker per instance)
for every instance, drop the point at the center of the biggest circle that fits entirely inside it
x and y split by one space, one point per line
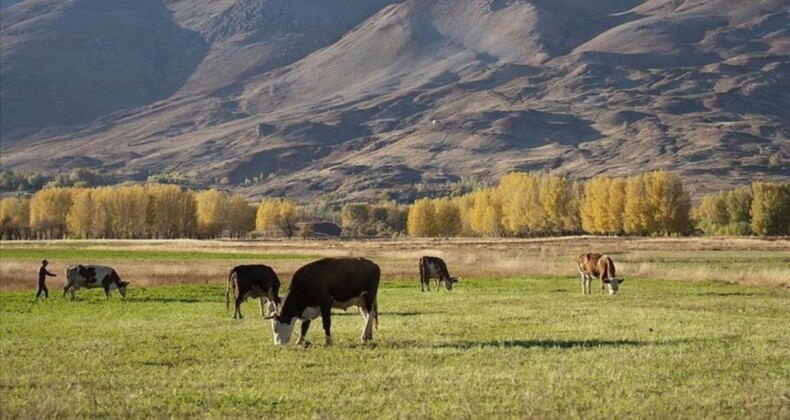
227 291
376 317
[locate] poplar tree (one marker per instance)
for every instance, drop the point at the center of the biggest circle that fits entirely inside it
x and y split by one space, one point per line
771 208
420 221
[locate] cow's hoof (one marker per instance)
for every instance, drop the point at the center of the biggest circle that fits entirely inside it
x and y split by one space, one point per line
328 342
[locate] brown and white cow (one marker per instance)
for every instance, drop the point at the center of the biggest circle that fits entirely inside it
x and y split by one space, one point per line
434 267
601 266
253 281
92 276
329 283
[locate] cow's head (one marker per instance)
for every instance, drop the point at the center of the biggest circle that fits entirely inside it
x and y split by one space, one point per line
449 282
122 288
282 329
614 284
271 307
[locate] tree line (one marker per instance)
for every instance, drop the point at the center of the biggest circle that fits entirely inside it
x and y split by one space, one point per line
655 203
520 205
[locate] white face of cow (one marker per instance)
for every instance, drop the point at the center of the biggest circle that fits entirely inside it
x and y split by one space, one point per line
614 285
271 308
282 331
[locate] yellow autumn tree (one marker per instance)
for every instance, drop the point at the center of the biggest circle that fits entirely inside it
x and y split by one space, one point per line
166 208
486 213
211 212
15 218
639 217
420 220
80 217
278 215
130 211
103 218
48 211
670 202
594 205
241 216
446 218
771 208
521 204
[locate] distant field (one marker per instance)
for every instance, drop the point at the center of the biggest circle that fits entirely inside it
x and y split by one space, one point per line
136 254
527 347
148 263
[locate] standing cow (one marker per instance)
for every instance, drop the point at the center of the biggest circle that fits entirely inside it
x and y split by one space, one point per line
329 283
92 276
601 266
434 267
253 281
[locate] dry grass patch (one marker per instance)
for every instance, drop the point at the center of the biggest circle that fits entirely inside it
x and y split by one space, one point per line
734 260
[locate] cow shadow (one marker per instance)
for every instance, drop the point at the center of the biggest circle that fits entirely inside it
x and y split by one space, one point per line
148 299
728 294
554 344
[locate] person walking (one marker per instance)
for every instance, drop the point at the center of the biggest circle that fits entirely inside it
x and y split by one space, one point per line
42 276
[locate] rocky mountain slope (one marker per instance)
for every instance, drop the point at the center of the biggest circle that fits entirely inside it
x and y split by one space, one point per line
349 98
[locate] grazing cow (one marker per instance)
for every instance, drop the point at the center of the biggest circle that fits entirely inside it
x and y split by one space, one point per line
329 283
91 276
253 281
601 266
434 267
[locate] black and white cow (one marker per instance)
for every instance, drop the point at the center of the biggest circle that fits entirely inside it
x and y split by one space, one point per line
329 283
253 281
434 267
92 276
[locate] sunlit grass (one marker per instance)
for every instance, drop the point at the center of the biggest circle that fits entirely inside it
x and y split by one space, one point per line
514 348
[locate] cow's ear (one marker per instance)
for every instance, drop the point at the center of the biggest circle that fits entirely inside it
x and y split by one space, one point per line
606 281
622 280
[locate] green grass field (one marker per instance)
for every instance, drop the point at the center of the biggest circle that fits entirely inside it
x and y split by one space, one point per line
513 348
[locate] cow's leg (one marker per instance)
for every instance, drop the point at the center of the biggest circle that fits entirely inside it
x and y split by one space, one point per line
603 286
303 338
369 315
107 292
66 289
423 280
326 314
584 282
237 306
437 283
262 302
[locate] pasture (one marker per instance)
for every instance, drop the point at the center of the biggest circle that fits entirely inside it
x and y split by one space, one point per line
507 342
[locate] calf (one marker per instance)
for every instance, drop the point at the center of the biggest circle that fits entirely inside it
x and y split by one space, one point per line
434 267
329 283
91 276
601 266
253 281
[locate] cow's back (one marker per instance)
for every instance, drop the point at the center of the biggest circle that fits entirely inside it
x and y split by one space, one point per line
434 267
91 275
342 278
588 263
606 268
256 276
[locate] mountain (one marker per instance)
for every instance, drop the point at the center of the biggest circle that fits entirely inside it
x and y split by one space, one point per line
350 98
